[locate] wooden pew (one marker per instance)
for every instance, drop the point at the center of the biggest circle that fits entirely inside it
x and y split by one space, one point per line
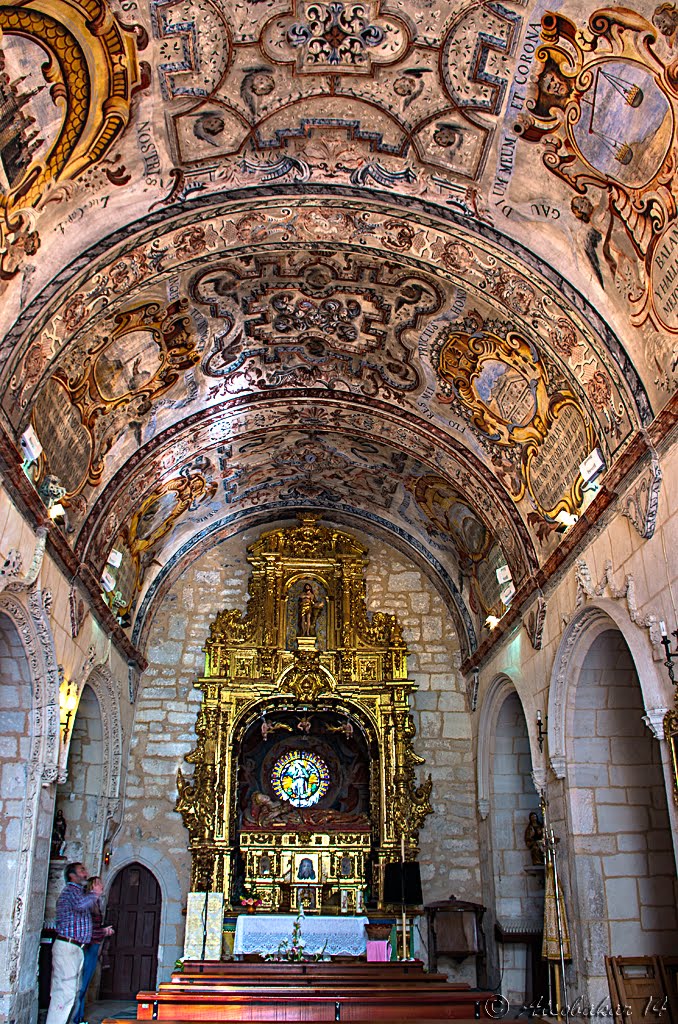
310 991
292 1003
386 1020
390 969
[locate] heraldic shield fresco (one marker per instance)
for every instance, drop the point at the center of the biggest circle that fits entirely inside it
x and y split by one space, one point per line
410 264
605 103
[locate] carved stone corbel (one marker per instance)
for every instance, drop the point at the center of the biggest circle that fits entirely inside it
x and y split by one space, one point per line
49 773
534 623
472 686
640 503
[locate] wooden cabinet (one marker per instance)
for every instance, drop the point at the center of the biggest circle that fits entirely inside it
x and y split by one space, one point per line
455 931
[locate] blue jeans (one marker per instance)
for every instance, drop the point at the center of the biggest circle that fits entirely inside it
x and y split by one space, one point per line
88 968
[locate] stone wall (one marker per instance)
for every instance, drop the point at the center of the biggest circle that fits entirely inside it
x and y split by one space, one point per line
619 582
621 837
39 638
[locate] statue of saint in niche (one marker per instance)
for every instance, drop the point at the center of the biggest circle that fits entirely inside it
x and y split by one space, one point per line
534 838
310 607
58 836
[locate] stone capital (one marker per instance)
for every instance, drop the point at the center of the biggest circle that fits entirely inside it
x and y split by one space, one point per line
654 720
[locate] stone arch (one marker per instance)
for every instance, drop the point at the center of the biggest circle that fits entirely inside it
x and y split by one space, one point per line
172 922
31 644
103 684
92 780
497 692
579 636
507 790
617 836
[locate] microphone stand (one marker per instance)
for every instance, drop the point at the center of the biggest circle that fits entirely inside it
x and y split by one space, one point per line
402 894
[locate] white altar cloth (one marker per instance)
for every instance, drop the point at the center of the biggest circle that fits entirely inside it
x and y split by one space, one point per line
263 933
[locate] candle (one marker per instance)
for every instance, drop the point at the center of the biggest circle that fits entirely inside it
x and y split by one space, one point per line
539 716
402 847
662 628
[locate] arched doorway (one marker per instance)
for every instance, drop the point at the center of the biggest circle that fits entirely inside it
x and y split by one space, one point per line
518 870
621 839
133 908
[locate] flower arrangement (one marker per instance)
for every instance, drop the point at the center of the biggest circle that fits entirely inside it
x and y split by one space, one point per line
249 898
294 949
250 901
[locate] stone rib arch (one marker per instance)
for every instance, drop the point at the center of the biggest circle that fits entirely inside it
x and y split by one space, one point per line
103 684
501 687
30 878
616 807
580 634
229 526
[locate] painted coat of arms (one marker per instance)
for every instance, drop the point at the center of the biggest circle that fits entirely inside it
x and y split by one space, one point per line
606 104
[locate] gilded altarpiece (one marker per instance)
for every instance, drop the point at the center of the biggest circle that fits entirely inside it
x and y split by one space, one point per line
304 783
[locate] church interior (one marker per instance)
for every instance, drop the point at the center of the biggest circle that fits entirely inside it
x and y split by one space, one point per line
338 485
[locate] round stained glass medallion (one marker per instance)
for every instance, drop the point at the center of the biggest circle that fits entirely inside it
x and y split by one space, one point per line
300 777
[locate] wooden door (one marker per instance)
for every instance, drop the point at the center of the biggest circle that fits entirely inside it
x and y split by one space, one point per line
129 965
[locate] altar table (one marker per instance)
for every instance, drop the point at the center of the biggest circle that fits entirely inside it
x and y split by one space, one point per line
263 933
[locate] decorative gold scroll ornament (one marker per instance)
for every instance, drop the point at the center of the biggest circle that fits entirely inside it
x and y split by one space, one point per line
113 383
606 106
92 71
354 664
503 382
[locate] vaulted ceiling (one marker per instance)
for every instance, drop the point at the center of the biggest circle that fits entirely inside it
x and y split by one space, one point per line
405 265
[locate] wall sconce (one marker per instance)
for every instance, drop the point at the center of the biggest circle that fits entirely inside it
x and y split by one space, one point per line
492 622
670 655
541 732
68 702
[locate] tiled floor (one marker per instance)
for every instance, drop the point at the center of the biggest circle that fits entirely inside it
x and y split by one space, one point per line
96 1012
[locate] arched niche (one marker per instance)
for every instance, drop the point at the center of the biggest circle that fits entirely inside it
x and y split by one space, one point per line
619 842
88 793
580 633
313 770
79 796
515 878
29 734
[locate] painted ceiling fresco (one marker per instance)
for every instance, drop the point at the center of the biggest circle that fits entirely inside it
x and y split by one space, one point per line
406 264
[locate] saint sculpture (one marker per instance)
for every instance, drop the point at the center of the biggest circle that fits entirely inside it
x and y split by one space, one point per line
309 609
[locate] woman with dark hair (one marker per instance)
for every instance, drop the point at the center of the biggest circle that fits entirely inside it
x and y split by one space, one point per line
91 953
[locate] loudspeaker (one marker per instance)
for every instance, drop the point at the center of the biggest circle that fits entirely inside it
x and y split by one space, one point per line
402 883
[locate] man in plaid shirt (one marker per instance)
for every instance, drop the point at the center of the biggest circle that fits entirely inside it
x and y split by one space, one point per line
74 932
